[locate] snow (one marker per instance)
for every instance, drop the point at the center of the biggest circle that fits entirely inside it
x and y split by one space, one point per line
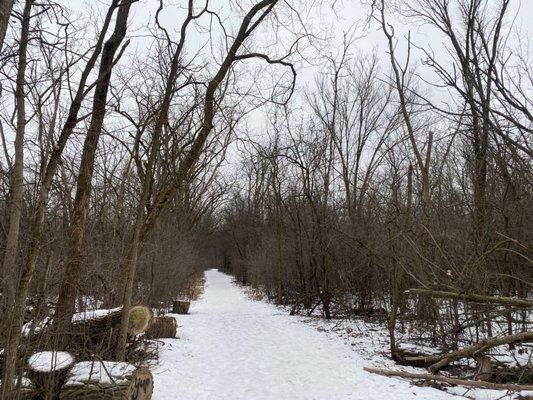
99 372
231 347
94 314
37 327
46 361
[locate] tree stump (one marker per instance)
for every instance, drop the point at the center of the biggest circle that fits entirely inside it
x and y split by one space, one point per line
108 380
162 327
181 306
483 368
48 371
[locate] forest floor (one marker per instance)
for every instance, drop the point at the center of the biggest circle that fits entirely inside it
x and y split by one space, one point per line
233 347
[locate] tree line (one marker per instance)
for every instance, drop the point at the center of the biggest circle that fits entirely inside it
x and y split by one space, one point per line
390 181
111 155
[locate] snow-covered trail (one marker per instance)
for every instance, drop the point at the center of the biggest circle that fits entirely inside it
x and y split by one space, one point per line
231 347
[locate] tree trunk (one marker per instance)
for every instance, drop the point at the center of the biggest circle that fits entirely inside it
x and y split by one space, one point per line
69 285
16 181
131 269
5 12
15 206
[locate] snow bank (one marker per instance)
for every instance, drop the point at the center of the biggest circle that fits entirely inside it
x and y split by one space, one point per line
46 361
94 314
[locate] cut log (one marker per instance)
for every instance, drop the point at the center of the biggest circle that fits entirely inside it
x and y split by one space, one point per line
181 306
452 381
475 298
162 327
96 332
48 371
108 380
140 319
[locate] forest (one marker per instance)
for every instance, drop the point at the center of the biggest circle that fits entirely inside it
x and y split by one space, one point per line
357 160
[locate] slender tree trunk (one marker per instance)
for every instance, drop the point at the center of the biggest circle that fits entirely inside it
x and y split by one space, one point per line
17 172
392 228
131 269
17 188
69 285
5 12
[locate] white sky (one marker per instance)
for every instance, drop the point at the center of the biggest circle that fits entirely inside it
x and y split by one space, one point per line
323 20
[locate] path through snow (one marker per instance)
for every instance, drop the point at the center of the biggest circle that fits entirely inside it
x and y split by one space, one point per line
231 347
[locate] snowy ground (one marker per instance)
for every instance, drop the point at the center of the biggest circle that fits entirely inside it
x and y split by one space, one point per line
231 347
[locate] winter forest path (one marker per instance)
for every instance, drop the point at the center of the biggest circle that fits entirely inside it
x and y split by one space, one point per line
231 347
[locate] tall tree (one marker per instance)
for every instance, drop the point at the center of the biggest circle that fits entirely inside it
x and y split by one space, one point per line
69 284
144 223
17 172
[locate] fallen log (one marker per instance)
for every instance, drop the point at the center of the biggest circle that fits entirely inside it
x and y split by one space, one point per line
475 298
162 327
181 306
106 380
96 332
48 371
452 381
439 361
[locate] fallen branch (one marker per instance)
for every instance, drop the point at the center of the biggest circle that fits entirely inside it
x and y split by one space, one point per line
452 381
439 361
476 298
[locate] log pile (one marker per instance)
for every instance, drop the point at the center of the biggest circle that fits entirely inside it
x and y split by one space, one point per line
108 381
162 327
